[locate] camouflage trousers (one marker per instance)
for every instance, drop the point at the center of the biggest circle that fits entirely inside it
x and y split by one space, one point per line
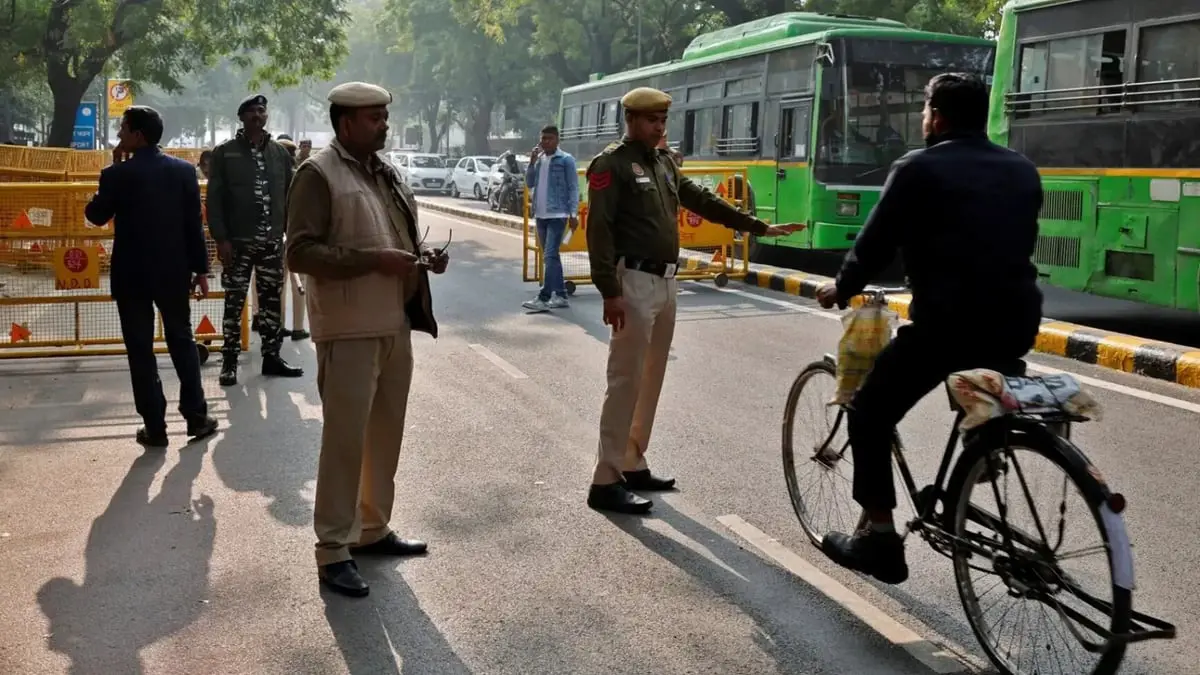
263 259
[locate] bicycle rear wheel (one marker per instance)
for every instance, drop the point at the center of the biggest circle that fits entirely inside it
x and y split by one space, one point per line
1068 627
817 465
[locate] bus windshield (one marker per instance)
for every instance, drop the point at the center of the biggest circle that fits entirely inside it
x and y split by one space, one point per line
872 103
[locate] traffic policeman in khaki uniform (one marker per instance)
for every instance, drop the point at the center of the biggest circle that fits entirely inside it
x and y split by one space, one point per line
634 193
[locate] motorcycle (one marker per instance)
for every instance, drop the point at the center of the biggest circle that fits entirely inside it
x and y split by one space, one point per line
509 196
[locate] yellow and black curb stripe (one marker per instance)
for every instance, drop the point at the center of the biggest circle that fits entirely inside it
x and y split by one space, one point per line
1124 353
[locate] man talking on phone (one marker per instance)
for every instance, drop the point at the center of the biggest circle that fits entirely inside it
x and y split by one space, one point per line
159 257
555 184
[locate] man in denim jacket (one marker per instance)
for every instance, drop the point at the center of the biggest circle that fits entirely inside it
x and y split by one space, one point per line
552 178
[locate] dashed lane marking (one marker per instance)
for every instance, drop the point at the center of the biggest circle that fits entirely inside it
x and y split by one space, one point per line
500 363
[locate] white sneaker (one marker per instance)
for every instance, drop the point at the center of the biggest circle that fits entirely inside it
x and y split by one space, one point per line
536 305
558 303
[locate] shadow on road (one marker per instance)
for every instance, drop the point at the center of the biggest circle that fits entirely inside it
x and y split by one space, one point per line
798 627
268 447
387 633
147 570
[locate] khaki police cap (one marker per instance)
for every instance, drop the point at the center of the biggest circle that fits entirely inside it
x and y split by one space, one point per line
287 143
645 99
359 95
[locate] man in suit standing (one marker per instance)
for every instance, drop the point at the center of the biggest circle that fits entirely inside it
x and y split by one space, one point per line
159 257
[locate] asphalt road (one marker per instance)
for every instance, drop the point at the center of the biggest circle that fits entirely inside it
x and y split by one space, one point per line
198 560
1118 316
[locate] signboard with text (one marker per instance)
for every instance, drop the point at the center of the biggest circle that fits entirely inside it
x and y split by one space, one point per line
77 268
86 122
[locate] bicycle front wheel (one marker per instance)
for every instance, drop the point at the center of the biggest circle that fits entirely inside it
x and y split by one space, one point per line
817 465
1041 595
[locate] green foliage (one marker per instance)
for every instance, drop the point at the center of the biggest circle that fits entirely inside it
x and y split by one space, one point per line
158 42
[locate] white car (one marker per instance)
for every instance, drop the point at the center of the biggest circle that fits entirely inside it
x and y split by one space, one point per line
470 177
423 172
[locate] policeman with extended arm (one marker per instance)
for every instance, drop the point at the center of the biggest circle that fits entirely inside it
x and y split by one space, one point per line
634 193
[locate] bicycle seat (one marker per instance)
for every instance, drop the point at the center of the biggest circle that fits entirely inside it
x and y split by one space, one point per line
983 394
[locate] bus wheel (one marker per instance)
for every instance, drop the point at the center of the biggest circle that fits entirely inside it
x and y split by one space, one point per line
721 280
570 288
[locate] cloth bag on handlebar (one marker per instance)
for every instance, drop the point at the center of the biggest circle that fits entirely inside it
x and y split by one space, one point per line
867 330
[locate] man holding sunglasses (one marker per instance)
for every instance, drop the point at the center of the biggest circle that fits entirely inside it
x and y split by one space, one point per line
352 229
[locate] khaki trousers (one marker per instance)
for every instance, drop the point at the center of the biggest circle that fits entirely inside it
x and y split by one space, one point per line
637 363
364 395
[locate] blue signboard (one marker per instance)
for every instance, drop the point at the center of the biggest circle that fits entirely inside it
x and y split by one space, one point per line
86 123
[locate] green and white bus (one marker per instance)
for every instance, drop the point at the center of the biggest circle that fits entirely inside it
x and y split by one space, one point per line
1104 95
813 107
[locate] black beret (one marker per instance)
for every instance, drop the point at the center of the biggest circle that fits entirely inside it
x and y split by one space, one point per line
257 99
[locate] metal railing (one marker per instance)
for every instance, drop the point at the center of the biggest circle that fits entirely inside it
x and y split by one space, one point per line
1106 98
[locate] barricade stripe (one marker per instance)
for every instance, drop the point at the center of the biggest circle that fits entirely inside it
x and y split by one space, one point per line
1187 369
1125 353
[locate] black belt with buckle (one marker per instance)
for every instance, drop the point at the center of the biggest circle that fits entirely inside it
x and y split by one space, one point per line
656 267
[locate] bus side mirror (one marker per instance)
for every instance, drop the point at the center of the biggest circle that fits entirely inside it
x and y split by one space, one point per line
825 54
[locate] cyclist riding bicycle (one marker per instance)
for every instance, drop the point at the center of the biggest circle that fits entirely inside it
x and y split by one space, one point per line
962 213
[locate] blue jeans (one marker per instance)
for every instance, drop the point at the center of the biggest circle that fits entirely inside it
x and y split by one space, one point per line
550 233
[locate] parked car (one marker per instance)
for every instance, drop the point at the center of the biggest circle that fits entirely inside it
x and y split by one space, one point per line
423 172
495 176
470 177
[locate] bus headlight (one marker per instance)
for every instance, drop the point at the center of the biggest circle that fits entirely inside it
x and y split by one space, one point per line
847 209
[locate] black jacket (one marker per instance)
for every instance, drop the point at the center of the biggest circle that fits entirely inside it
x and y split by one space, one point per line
233 210
158 235
963 214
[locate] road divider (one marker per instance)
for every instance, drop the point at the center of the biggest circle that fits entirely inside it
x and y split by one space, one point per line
1114 351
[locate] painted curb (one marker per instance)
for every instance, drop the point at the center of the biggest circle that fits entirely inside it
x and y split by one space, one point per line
1125 353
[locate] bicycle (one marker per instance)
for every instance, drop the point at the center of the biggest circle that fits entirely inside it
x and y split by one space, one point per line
1027 563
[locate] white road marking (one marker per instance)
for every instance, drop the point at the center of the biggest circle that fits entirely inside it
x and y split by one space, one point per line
499 362
1152 397
932 656
802 309
495 229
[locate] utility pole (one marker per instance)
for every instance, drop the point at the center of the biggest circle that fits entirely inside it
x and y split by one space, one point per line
638 6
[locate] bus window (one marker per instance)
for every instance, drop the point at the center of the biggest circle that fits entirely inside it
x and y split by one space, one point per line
873 101
702 128
1069 70
1169 53
739 132
793 133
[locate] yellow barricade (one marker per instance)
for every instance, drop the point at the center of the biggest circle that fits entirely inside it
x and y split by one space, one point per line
54 279
19 164
728 255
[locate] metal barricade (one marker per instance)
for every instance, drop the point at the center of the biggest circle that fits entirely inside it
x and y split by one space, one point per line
707 250
55 284
20 164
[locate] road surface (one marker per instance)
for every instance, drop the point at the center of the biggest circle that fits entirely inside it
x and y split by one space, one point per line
1118 316
198 560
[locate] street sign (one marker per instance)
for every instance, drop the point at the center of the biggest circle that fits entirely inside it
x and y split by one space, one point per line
86 122
76 268
120 97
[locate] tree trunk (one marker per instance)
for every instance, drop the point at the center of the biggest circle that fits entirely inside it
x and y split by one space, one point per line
480 126
68 93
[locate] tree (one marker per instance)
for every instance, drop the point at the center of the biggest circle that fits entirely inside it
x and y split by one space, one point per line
158 41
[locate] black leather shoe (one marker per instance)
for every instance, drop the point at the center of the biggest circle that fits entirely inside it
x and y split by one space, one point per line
343 578
618 499
285 332
301 334
879 554
646 481
228 374
392 544
149 439
277 367
201 428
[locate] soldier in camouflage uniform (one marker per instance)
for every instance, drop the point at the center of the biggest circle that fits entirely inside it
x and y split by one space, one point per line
247 191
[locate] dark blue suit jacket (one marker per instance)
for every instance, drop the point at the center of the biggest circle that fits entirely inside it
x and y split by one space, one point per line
158 241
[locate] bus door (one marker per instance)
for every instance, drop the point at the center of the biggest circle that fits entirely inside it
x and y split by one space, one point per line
793 183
